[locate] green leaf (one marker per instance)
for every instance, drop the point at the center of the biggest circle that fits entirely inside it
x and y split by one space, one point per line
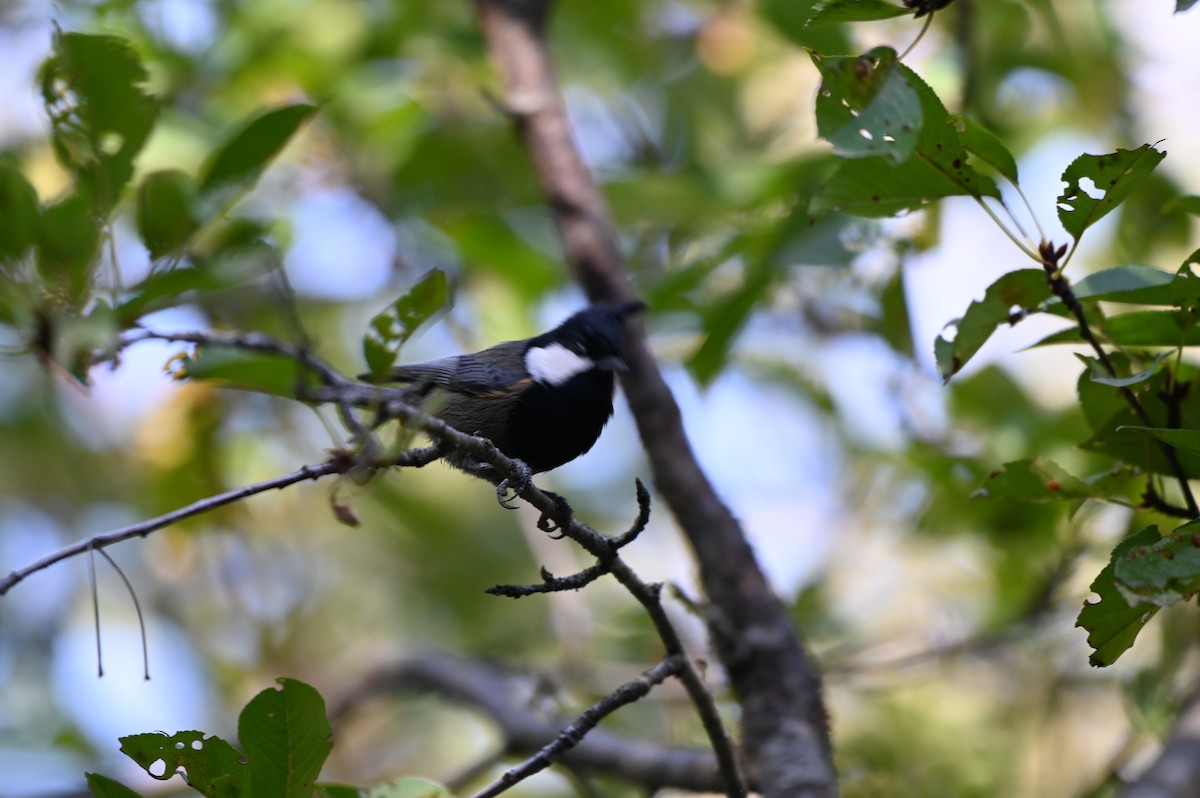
166 214
104 787
328 790
1097 373
725 319
68 237
240 160
391 328
1033 481
834 12
1162 572
285 735
1189 204
1183 5
937 168
260 372
99 115
865 106
410 788
1138 329
982 143
213 767
1112 176
1186 440
19 210
1023 288
1111 622
1140 285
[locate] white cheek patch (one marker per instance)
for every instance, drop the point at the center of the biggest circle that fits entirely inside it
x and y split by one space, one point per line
555 364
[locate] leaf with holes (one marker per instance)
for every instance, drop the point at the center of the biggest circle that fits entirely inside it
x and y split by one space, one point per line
1112 622
286 738
99 114
835 12
983 144
1112 177
213 767
1024 288
390 329
865 106
1162 572
937 168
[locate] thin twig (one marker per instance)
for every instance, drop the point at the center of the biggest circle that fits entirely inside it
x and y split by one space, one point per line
137 606
143 528
1050 258
570 736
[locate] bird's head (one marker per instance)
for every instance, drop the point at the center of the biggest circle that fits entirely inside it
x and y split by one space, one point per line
591 339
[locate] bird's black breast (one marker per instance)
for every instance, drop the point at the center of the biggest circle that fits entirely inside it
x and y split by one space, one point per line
552 425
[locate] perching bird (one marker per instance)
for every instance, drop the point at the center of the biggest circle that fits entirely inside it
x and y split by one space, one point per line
541 400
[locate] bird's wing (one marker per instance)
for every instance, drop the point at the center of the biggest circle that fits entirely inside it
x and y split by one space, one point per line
469 374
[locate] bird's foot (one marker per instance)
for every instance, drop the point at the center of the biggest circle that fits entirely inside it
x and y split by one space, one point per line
557 521
517 481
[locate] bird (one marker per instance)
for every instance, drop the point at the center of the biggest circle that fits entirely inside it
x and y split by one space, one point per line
543 401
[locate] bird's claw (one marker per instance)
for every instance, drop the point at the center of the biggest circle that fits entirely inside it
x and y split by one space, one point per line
559 520
523 474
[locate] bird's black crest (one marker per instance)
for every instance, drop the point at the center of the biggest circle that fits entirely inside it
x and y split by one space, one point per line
594 331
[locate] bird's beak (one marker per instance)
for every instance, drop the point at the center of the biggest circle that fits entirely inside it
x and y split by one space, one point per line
629 308
612 363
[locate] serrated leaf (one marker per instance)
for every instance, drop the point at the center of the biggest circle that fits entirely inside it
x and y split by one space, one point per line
410 788
104 787
1033 480
1163 572
982 143
100 117
865 106
835 12
1111 622
19 210
937 168
1185 440
260 372
213 766
240 160
285 735
1112 176
1023 288
166 214
1144 328
390 329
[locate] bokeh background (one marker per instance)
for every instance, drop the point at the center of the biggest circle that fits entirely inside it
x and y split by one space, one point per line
801 357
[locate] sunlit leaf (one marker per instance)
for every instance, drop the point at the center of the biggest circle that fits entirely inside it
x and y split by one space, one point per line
1111 622
389 329
833 12
1033 480
1023 288
99 115
1162 572
240 160
260 372
410 788
1099 374
1109 177
982 143
285 735
865 106
937 168
166 214
213 767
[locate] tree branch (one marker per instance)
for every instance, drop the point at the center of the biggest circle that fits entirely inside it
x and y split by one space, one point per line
571 736
143 528
785 726
526 732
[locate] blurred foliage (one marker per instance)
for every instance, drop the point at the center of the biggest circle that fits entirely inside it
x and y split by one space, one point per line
184 138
